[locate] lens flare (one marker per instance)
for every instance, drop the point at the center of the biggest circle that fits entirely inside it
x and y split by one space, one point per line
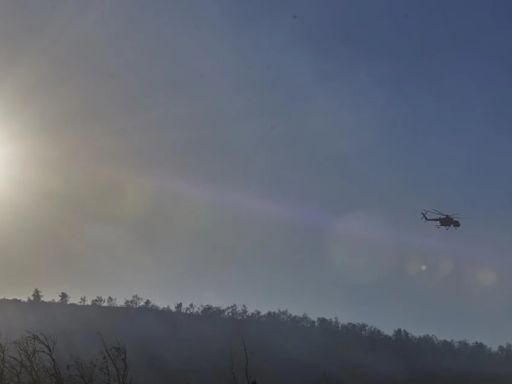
486 277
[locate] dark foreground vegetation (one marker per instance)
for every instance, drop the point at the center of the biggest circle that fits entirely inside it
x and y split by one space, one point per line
207 344
34 359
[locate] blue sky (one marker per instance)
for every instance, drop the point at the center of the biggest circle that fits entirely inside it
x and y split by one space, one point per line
275 154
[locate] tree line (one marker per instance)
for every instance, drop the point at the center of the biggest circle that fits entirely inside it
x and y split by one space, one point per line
135 301
358 351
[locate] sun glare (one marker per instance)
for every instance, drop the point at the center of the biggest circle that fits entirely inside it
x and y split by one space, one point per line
9 164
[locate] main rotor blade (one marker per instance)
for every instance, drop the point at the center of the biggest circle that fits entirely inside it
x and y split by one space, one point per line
457 216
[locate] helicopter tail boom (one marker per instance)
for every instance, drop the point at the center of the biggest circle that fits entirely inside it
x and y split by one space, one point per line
426 218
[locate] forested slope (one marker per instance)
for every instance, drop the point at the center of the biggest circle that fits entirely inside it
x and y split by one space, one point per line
207 344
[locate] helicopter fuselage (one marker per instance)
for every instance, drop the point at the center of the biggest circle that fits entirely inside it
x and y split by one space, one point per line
444 221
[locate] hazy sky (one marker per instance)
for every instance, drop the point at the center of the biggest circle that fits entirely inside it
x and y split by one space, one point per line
272 153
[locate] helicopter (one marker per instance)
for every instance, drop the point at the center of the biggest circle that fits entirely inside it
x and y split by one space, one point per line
444 220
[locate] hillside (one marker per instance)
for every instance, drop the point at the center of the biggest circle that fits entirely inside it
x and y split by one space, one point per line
206 344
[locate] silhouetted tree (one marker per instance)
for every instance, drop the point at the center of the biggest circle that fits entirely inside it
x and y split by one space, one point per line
148 304
178 307
98 301
114 364
111 301
243 313
231 311
45 347
37 296
84 372
64 298
134 302
190 309
83 300
210 311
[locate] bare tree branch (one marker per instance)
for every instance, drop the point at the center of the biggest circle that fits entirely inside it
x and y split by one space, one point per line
246 354
232 367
